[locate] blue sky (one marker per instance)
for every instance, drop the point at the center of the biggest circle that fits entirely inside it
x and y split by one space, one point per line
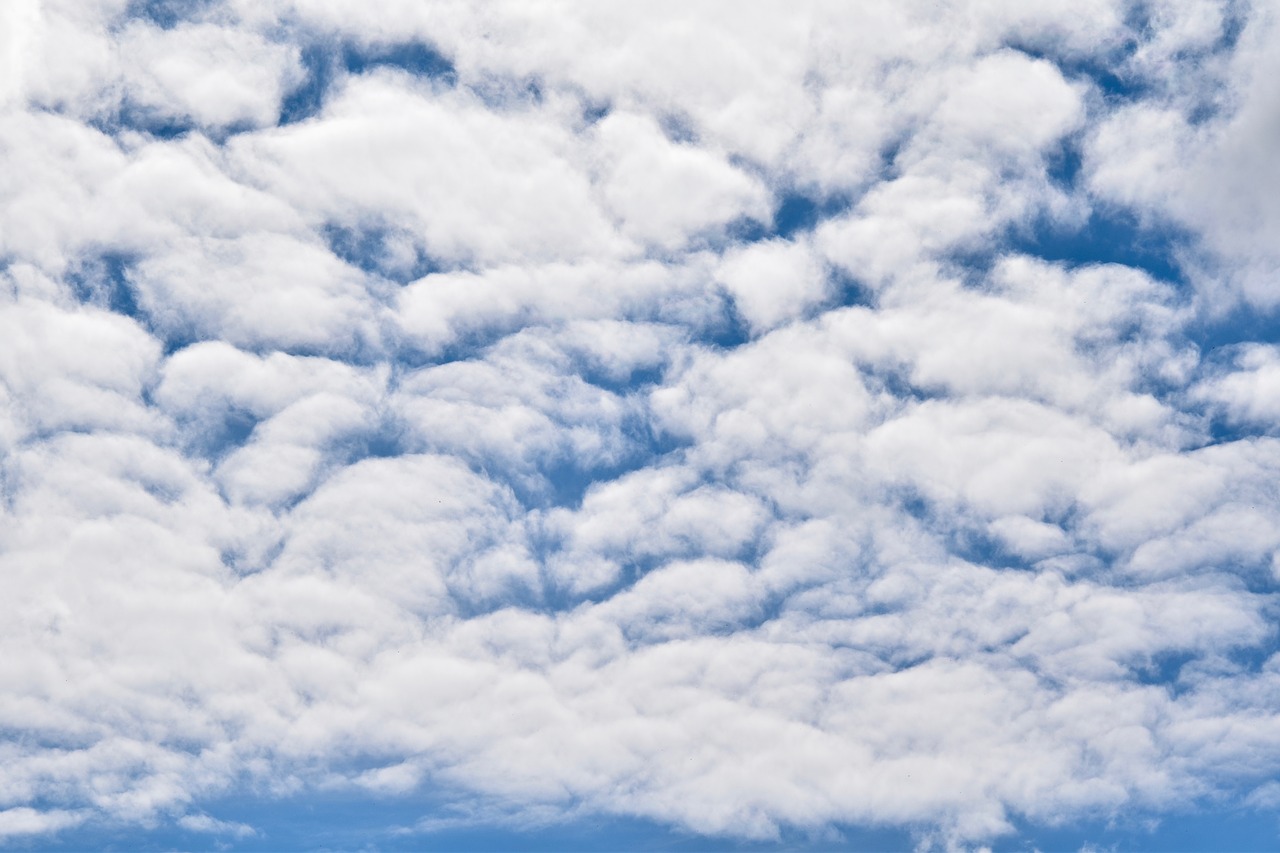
682 427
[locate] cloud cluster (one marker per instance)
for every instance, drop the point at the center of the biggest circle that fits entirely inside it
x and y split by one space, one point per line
754 419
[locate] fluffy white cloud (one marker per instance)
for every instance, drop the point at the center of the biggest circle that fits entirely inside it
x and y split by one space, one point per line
1198 157
473 185
215 76
643 172
686 412
773 281
1251 392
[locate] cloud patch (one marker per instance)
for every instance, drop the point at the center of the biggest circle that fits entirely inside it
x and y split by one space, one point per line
759 421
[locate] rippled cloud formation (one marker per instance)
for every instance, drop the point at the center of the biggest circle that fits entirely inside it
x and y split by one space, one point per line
763 420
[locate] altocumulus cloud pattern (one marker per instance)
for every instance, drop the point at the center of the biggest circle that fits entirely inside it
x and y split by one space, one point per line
756 423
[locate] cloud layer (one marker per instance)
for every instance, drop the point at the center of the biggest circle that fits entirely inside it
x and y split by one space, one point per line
756 420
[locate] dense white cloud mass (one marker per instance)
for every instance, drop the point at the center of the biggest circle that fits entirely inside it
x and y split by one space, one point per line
757 417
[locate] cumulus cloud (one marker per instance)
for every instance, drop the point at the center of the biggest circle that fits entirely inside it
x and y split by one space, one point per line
1201 147
759 420
213 76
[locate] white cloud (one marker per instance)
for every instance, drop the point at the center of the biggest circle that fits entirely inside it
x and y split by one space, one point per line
19 20
413 531
27 821
1199 158
1251 392
773 282
74 369
643 172
439 309
256 290
204 823
216 76
474 185
71 61
431 452
1008 103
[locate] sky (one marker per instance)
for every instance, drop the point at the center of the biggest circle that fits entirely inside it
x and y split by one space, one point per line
671 425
